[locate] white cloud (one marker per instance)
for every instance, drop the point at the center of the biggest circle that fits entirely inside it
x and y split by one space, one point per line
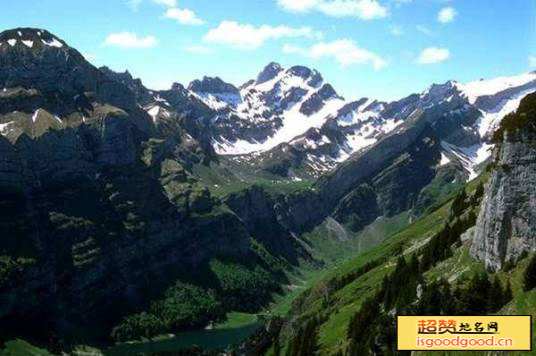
135 4
396 30
245 36
432 55
424 30
447 15
362 9
168 3
183 16
129 40
298 5
532 61
197 49
345 52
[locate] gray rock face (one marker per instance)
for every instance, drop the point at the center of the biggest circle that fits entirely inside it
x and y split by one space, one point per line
337 184
32 58
269 72
317 101
506 224
95 200
212 86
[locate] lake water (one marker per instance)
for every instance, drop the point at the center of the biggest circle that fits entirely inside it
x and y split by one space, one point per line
206 339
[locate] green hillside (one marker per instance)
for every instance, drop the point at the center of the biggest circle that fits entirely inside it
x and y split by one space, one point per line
326 311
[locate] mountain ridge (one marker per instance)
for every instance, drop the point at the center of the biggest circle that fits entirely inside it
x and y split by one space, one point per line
158 193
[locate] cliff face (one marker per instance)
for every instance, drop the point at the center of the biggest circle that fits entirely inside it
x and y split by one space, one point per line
506 225
353 171
97 224
99 209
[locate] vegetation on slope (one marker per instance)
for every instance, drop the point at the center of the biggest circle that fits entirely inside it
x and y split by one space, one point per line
524 118
381 279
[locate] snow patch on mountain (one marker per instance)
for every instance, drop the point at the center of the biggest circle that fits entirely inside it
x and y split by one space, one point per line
285 95
476 89
491 120
469 157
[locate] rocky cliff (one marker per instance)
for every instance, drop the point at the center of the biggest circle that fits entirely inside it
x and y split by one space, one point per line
506 226
99 208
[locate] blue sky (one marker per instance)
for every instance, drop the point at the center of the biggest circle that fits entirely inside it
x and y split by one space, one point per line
382 49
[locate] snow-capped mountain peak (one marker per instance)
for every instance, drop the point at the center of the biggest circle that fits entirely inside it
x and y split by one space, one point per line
489 87
280 105
293 112
269 72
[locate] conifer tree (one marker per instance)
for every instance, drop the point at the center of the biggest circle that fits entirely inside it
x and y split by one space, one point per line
495 296
507 294
529 278
458 205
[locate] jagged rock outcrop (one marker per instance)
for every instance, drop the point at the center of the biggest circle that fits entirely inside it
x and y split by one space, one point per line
506 225
212 86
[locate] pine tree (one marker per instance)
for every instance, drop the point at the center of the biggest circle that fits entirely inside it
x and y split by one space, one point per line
288 352
507 294
495 296
448 304
277 347
475 296
305 342
362 328
458 205
529 278
479 190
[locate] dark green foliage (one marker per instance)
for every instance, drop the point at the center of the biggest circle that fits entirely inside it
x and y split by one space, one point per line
436 299
361 328
459 204
137 326
340 282
305 341
385 343
439 247
523 118
401 285
183 306
479 297
243 287
473 299
496 295
479 193
529 278
372 330
507 294
9 267
277 347
358 208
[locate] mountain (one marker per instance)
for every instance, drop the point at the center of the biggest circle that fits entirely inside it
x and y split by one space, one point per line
131 212
102 210
290 123
469 256
506 221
